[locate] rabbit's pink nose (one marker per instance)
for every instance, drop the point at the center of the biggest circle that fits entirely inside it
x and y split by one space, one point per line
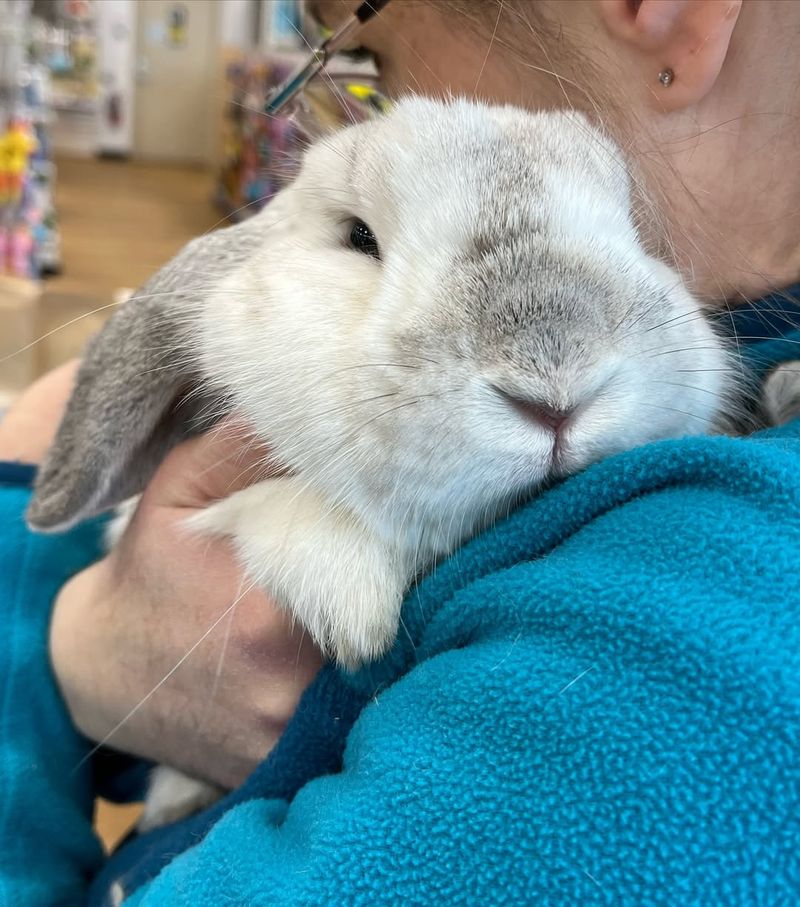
538 411
546 415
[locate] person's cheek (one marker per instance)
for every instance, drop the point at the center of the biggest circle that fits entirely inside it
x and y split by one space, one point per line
404 70
331 12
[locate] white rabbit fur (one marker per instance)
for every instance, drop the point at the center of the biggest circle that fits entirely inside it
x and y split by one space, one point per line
510 264
509 258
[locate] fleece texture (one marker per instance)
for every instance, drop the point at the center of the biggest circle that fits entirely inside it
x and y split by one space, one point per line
47 849
595 702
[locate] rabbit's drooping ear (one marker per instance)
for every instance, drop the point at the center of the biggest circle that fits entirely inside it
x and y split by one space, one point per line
131 403
123 417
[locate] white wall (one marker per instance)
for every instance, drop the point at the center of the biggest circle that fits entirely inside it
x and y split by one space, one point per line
116 36
237 23
177 83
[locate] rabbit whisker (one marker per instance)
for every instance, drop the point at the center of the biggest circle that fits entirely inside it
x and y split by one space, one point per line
147 697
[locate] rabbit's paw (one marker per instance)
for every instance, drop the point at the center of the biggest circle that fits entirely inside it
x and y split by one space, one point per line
173 796
781 394
341 582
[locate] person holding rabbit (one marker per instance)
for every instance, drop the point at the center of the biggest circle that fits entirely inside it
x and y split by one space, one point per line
594 700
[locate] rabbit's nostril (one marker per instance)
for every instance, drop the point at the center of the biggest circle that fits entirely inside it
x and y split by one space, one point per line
547 415
538 411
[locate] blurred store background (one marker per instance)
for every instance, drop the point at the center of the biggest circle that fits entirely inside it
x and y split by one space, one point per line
127 127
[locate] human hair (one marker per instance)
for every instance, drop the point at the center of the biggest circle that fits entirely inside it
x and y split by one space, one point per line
535 39
677 153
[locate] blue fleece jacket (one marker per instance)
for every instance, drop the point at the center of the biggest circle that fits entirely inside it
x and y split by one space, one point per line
595 702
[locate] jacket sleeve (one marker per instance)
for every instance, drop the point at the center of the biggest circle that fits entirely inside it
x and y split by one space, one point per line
613 723
49 851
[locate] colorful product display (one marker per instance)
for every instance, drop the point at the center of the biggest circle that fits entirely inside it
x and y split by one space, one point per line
29 245
28 233
256 149
260 153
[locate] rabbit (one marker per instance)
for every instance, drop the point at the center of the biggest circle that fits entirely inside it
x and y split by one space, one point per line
448 308
781 394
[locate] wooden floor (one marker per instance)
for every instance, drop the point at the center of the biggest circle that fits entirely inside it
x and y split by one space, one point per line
119 222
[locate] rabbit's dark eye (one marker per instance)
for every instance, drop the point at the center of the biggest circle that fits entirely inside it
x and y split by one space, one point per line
362 239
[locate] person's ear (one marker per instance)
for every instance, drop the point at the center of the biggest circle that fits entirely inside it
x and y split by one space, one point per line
678 45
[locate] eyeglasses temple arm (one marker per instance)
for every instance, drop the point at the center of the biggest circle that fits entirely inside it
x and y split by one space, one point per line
295 83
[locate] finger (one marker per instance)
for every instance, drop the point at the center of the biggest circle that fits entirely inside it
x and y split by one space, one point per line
28 429
210 467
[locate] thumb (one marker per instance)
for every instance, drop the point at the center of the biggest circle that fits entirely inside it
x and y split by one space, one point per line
213 466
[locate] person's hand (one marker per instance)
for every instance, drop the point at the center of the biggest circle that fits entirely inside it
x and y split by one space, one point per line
29 426
164 646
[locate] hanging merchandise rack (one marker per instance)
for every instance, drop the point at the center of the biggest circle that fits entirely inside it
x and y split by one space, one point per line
260 153
29 245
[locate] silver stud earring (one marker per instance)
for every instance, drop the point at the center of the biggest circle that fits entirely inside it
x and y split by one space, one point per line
666 77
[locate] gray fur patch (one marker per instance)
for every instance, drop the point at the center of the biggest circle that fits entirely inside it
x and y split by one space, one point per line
126 411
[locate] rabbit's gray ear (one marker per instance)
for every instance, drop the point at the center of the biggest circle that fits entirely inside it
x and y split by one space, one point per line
138 392
127 410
